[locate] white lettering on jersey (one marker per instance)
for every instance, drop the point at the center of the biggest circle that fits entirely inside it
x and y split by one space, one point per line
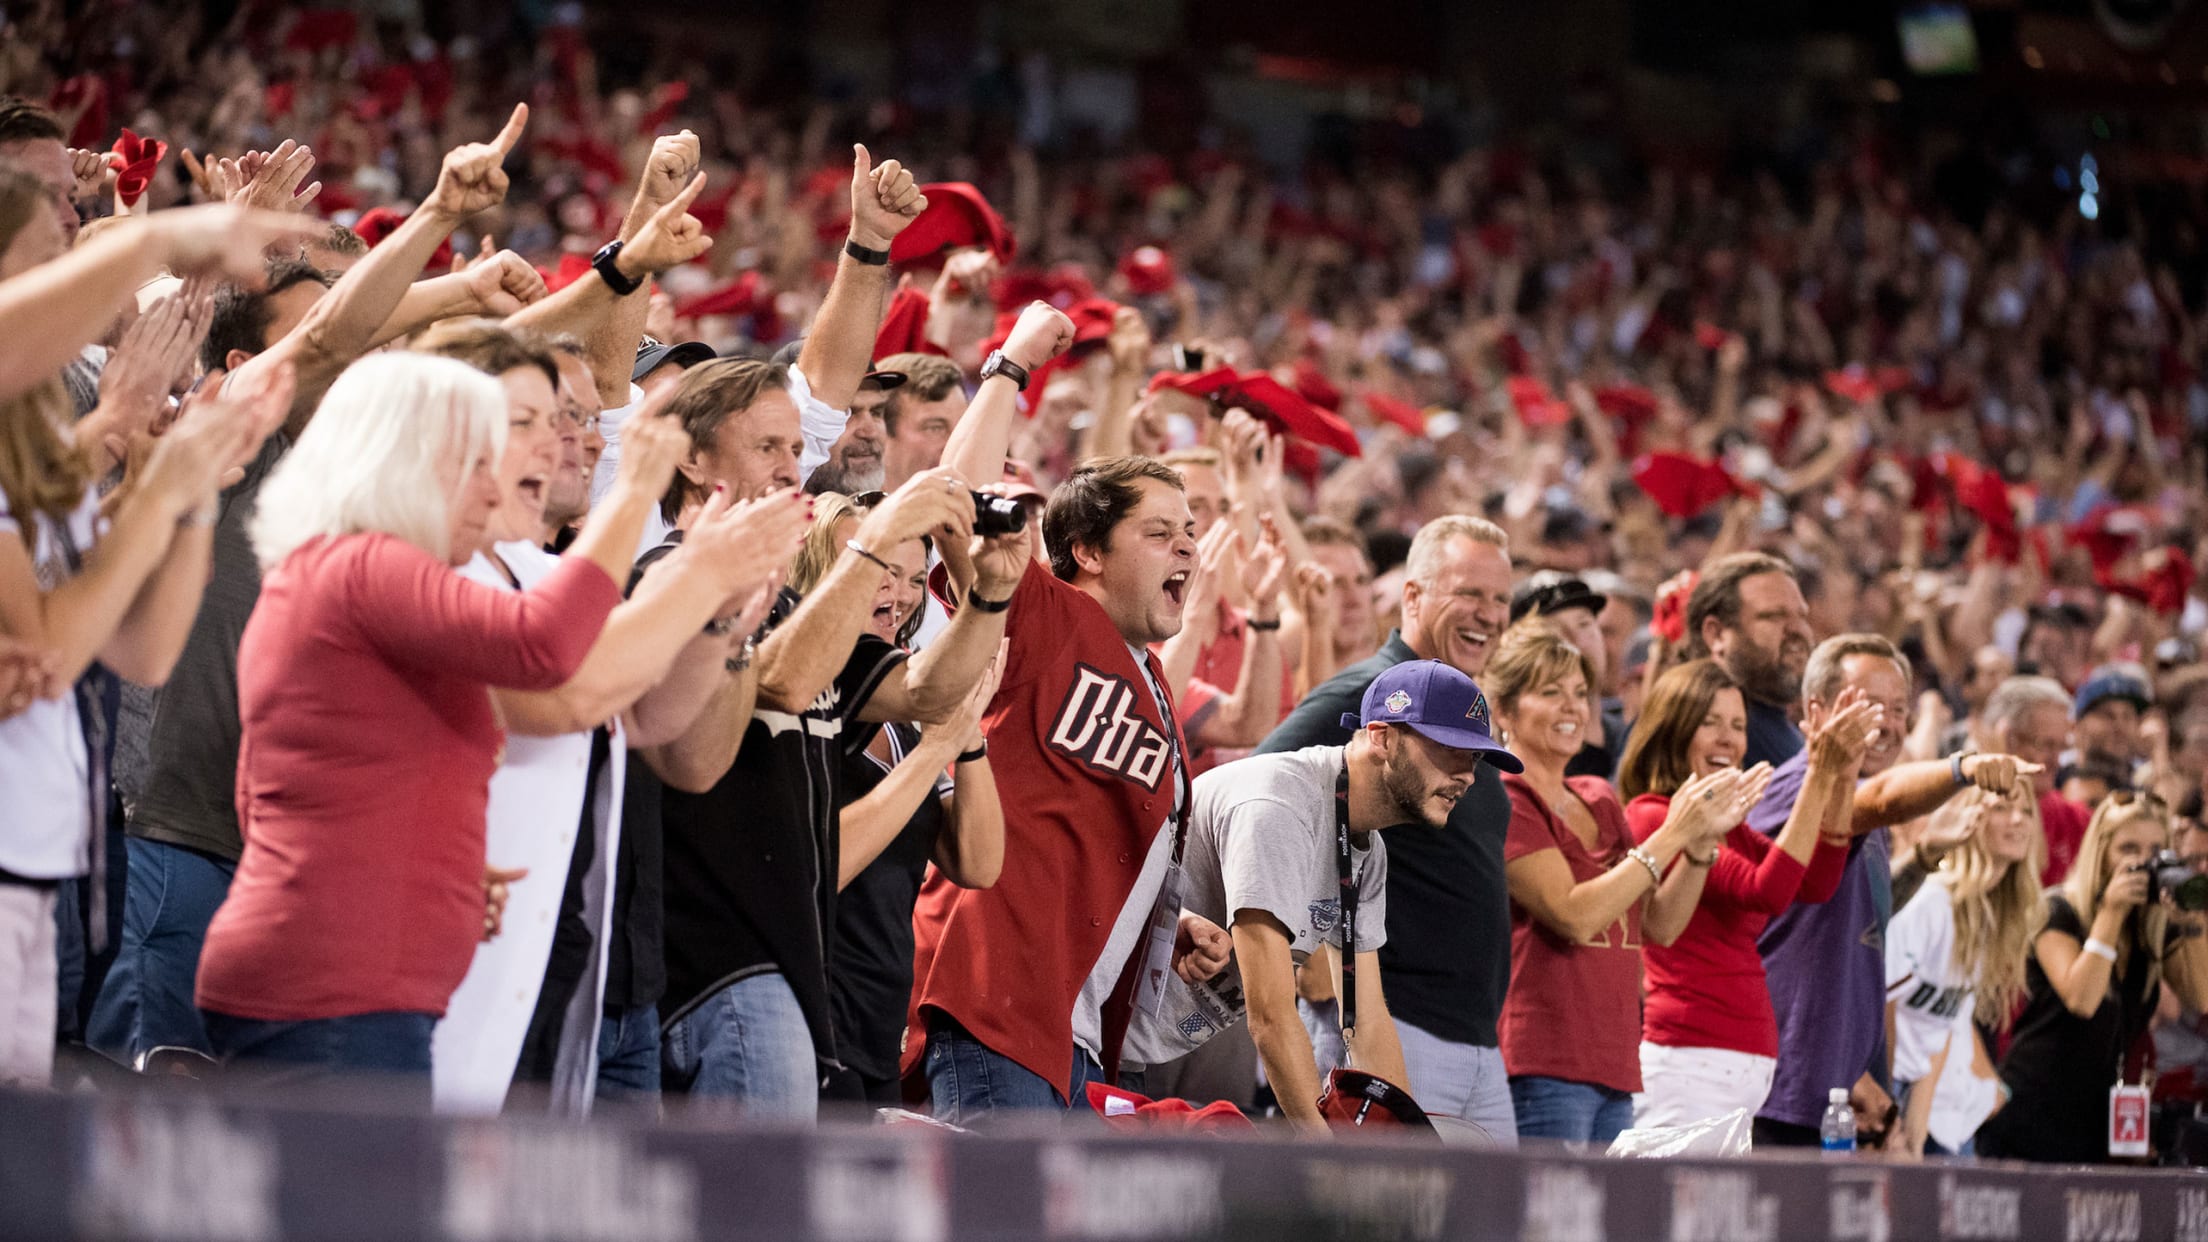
1097 724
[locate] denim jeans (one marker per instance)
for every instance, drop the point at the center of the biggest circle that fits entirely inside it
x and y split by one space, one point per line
146 1002
746 1042
1465 1081
968 1080
628 1056
1576 1112
390 1044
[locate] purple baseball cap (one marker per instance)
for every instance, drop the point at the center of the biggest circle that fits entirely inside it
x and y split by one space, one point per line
1438 701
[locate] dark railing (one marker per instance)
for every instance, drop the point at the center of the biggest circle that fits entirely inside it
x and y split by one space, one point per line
163 1165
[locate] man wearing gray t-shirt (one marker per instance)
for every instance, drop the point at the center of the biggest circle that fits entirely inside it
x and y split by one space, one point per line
1281 847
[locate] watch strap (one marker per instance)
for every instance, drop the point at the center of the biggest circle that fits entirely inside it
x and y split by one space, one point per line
872 258
610 272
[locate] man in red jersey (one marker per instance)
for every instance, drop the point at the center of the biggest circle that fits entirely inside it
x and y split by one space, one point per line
1023 991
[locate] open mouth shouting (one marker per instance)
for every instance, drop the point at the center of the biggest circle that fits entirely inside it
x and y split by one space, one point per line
531 489
1176 587
883 622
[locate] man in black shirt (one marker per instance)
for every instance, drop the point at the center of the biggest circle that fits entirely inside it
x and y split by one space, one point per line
1447 956
1747 613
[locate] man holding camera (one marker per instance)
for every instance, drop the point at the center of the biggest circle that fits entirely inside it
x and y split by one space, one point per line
1023 991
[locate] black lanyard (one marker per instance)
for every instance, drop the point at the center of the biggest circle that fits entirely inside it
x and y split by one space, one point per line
1348 872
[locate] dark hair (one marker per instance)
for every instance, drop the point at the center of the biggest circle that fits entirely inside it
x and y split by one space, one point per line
927 378
22 120
1099 496
340 240
1656 751
708 395
241 316
1717 594
490 347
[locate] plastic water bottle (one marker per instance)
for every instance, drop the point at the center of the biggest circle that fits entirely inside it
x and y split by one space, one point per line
1838 1129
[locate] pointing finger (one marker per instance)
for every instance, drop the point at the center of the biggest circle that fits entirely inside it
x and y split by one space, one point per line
511 135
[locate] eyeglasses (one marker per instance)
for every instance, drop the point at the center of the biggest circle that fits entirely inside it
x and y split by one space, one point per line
581 422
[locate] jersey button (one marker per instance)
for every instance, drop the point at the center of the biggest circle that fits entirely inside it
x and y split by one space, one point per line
1096 922
1125 857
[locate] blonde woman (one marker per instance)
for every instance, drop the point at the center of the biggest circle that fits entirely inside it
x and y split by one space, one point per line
1954 957
2095 975
914 795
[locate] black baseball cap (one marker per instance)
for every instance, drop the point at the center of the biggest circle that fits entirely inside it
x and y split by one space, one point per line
1550 592
651 355
884 380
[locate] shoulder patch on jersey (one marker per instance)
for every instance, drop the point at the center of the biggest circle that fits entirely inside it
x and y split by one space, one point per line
1096 724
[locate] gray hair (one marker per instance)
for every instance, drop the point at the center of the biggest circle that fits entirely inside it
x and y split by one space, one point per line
1434 538
1821 681
2012 698
389 447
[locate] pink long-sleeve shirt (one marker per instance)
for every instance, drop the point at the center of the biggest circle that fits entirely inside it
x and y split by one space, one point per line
1707 988
369 739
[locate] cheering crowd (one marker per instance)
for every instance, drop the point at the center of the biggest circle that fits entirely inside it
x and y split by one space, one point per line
641 607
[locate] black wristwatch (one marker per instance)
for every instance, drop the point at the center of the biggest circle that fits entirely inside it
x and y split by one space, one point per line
872 258
998 364
610 272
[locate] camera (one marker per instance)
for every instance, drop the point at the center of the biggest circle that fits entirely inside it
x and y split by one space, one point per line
998 515
2167 874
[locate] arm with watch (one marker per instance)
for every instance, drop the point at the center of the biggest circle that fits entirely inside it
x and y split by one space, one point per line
840 345
660 657
621 269
983 436
802 657
1907 790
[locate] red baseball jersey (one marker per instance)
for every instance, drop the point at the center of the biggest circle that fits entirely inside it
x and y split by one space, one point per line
1083 756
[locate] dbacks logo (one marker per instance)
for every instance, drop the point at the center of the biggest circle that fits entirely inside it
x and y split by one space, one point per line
1097 725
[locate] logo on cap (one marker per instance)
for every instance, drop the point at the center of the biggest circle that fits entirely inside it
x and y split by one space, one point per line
1477 713
1398 701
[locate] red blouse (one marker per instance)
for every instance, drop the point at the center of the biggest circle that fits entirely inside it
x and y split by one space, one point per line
1707 988
1573 1010
369 740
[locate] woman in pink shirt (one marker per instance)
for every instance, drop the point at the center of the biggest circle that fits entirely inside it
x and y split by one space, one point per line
1709 1042
369 730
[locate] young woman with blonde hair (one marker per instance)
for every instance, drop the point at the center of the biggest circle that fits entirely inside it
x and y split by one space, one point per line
2095 976
1955 956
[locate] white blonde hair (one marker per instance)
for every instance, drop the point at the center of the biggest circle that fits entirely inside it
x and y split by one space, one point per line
389 447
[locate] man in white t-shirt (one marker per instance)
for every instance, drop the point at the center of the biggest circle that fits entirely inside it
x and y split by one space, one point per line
1265 858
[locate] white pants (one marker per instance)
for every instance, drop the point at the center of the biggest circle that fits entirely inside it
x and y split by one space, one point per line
1680 1086
28 1000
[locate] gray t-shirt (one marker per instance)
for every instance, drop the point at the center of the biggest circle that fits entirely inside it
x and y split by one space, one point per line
1261 837
188 794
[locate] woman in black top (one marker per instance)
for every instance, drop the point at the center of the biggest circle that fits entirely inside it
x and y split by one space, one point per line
2093 981
901 813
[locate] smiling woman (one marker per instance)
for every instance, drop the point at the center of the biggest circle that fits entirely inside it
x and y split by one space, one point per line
1709 1042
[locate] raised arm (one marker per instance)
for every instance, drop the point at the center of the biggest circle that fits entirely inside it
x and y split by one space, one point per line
804 654
1907 790
978 444
836 352
345 323
726 555
132 605
1244 716
669 239
50 313
610 344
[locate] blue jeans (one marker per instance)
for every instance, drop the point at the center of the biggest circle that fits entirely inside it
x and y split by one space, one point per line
746 1042
628 1055
146 1002
1465 1081
968 1080
390 1044
1577 1112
